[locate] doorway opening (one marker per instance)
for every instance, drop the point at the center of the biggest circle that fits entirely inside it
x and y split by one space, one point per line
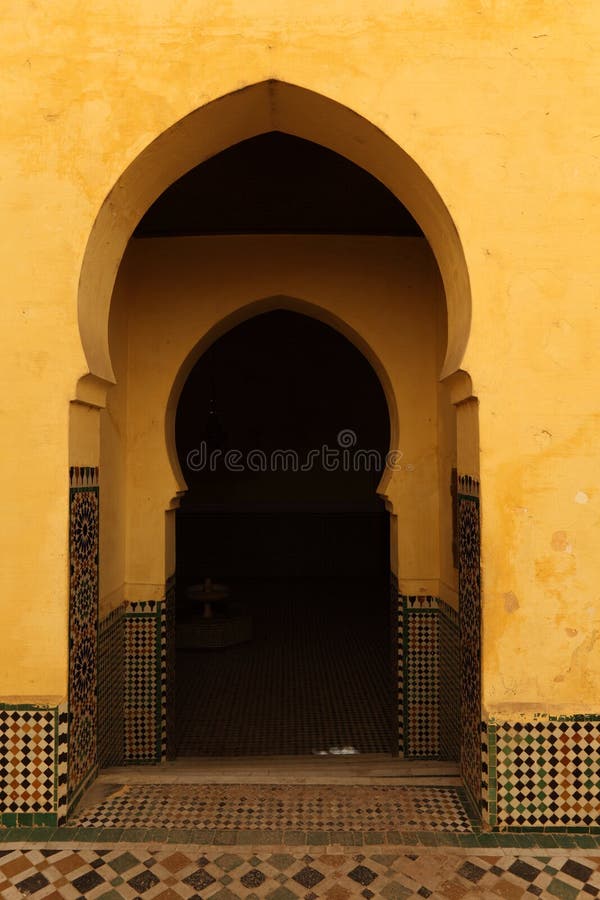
283 626
365 267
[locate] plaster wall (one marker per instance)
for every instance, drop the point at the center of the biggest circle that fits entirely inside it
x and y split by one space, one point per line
497 106
113 459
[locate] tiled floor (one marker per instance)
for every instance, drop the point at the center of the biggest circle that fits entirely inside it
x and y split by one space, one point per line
272 807
304 682
174 871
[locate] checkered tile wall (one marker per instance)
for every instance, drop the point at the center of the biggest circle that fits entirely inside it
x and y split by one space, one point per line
431 706
449 682
111 687
542 773
149 675
421 677
397 652
33 764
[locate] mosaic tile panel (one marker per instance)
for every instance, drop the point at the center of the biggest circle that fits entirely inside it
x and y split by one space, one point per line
149 694
33 764
470 634
168 670
83 624
143 693
111 687
488 777
544 773
430 678
421 673
293 873
449 678
275 807
397 653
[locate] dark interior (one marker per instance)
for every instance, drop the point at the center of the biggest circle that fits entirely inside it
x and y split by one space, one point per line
304 554
275 184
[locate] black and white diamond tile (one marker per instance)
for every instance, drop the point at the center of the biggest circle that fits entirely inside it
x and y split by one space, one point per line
273 807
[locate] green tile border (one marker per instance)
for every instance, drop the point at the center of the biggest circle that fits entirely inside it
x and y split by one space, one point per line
30 707
518 840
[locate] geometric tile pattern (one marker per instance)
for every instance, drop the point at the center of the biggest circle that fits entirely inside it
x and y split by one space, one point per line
111 687
397 638
544 772
421 666
83 623
470 634
143 709
449 677
33 764
168 671
430 679
291 873
273 807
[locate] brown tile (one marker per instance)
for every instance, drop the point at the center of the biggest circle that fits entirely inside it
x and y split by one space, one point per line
453 890
175 862
333 860
337 892
166 895
508 890
68 863
12 868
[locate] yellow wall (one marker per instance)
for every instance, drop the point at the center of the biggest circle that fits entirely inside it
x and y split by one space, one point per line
113 472
497 103
385 292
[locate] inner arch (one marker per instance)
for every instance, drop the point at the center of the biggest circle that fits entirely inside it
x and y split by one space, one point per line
299 548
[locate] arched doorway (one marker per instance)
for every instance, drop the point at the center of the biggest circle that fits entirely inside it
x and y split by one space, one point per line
282 434
142 477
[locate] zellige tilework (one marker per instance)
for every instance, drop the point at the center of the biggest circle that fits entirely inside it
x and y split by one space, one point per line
272 807
33 764
430 678
397 637
544 773
292 873
470 633
421 664
449 682
168 672
143 682
83 623
111 687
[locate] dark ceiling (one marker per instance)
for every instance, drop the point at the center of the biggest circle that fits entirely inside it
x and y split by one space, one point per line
277 184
